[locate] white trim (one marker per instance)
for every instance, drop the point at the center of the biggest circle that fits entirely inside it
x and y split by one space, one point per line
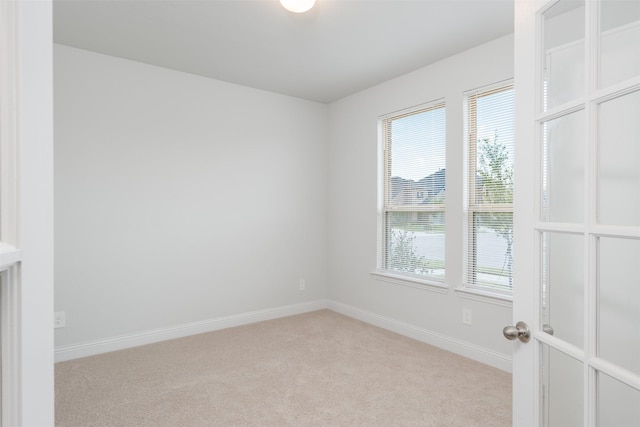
471 351
562 346
486 296
9 256
35 221
463 348
618 90
9 119
10 344
121 342
488 88
625 376
412 282
409 110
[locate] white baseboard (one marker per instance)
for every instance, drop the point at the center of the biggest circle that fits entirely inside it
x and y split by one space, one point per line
76 351
472 351
463 348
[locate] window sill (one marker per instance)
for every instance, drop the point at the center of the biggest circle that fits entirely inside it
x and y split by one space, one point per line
413 282
485 296
9 256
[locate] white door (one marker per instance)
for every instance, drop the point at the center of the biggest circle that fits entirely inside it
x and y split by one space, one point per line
577 220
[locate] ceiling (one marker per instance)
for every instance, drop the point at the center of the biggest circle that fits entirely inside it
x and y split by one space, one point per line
338 48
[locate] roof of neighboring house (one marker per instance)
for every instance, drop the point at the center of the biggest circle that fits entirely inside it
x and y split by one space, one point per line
431 186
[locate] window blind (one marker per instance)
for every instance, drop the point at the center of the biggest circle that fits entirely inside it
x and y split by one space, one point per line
413 207
490 143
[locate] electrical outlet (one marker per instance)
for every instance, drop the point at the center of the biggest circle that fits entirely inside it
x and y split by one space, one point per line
466 316
59 319
302 284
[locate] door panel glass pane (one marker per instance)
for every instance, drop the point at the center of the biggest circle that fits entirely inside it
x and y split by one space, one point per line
618 404
563 53
562 387
563 285
619 301
619 41
619 161
563 171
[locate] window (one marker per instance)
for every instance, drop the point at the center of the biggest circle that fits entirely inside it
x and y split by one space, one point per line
413 192
490 143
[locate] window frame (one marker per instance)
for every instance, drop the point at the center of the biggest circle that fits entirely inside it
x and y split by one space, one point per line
471 207
423 281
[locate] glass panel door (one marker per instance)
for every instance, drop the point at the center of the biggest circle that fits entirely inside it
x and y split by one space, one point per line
588 258
618 160
618 270
619 39
617 402
564 387
563 53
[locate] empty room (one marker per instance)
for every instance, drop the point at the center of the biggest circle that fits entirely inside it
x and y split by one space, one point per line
320 213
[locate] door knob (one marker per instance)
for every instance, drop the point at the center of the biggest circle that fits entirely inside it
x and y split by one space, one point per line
520 331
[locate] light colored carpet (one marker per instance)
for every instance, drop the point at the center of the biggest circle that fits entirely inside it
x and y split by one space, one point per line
314 369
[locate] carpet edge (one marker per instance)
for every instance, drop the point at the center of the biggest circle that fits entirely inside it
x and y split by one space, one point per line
106 345
462 348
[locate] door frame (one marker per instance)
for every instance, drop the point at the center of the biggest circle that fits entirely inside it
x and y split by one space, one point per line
526 388
26 187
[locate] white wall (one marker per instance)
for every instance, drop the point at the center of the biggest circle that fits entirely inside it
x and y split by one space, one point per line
179 198
353 193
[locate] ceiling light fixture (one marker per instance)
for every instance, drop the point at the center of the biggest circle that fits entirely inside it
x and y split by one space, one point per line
297 6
